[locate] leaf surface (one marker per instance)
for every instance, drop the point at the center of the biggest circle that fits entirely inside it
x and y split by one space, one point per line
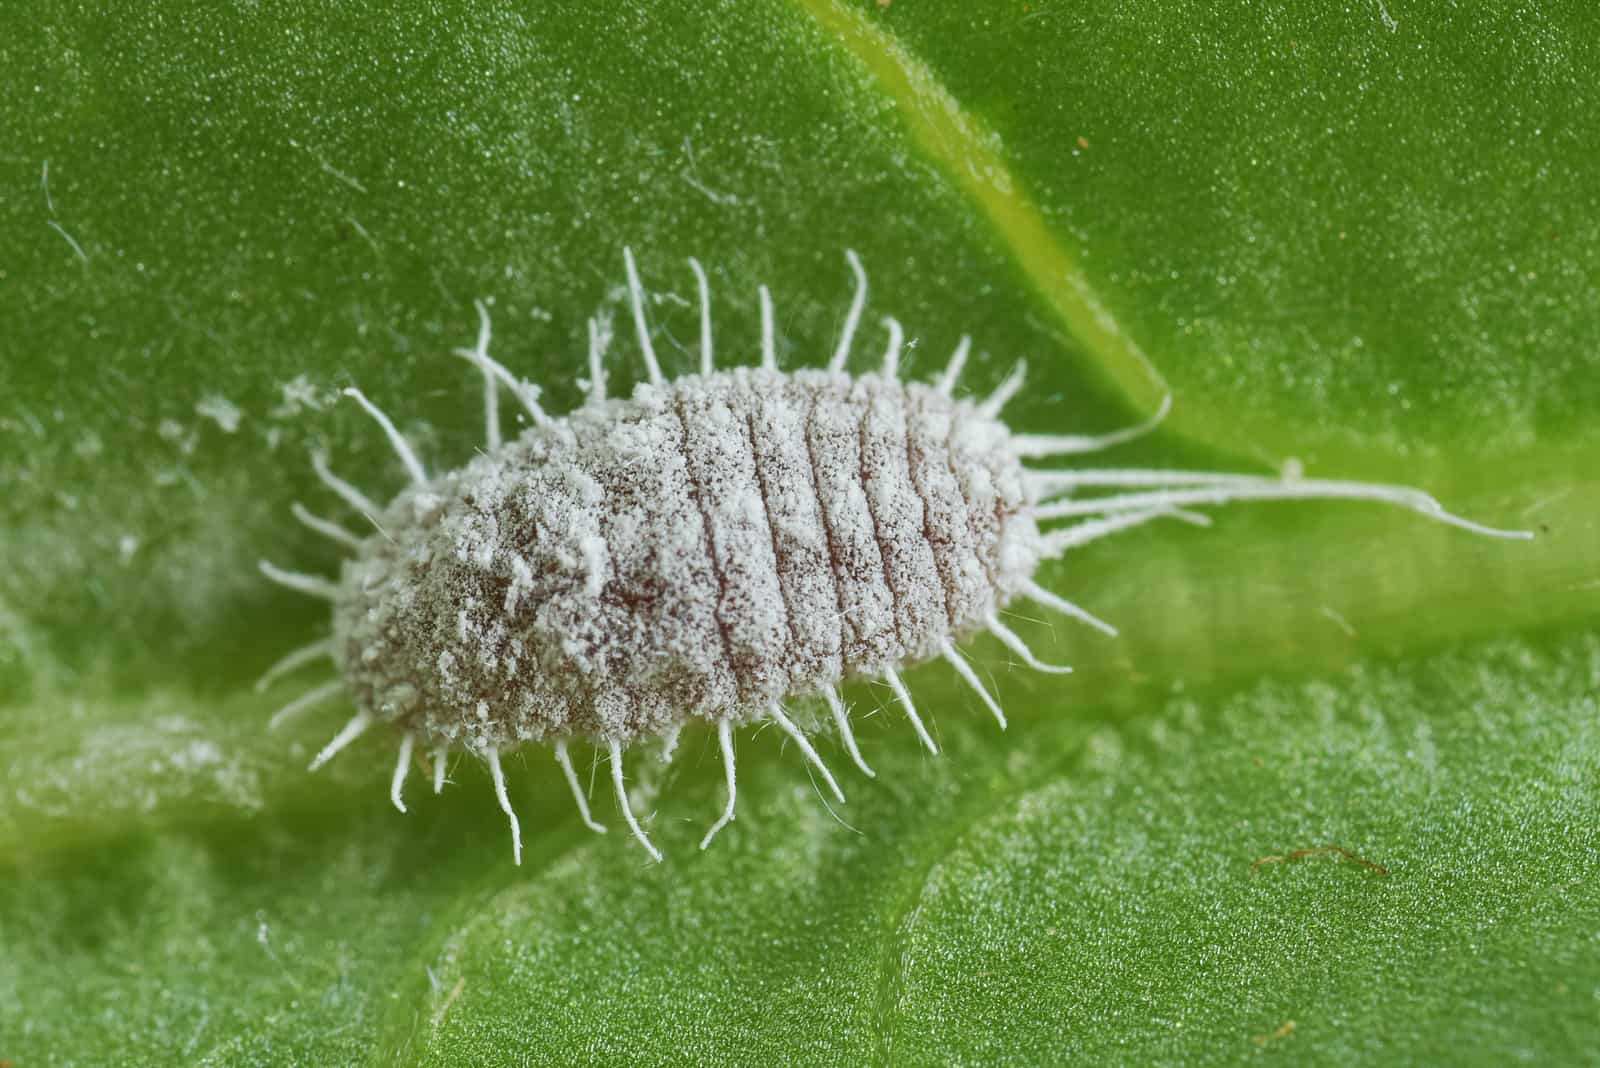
1355 239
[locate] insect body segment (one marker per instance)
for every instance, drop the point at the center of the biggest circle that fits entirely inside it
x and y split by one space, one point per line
711 548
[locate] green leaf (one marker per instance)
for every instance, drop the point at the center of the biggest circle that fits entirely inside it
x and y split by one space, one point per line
1354 238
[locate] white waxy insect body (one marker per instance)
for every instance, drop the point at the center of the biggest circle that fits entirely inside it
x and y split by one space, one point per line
710 548
699 551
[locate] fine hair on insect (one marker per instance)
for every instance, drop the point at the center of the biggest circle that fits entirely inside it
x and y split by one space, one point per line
711 549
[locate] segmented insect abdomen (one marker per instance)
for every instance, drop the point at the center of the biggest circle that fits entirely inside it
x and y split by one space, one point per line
706 548
856 523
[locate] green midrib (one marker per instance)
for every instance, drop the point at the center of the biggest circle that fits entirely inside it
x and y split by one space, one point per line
969 153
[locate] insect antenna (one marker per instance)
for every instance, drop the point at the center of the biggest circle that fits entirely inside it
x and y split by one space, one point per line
1179 488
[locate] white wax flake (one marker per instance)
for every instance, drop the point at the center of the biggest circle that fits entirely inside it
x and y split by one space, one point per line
596 564
300 394
219 410
199 753
88 445
179 435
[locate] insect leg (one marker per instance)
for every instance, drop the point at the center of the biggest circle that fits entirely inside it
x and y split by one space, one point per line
327 528
312 585
348 733
621 790
798 736
402 766
599 340
706 366
891 354
567 770
964 669
492 756
1018 646
636 298
491 392
769 349
725 741
494 372
294 661
1004 392
952 370
842 719
900 692
852 318
1056 542
402 450
348 493
1037 593
312 697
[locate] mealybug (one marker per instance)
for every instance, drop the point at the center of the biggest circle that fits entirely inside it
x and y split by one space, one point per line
710 548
